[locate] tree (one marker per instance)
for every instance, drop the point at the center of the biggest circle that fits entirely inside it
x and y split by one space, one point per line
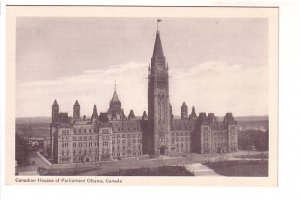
21 150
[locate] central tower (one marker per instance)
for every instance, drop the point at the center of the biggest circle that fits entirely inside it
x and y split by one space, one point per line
158 102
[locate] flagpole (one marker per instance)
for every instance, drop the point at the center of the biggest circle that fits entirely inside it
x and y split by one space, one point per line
157 21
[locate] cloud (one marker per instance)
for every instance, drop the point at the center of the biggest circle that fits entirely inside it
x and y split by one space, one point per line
212 86
216 86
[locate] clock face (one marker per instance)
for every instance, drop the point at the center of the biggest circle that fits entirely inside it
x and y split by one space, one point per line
160 67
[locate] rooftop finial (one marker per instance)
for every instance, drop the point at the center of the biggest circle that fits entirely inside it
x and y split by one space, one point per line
115 85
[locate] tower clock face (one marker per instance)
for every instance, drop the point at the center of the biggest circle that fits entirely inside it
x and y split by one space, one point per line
160 67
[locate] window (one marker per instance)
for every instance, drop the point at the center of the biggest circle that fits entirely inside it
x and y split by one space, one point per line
105 130
105 143
205 128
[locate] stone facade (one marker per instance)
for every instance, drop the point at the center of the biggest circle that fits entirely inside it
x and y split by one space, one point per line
112 135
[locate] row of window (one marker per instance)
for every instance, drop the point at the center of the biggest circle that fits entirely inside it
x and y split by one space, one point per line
219 144
85 144
129 129
139 147
180 133
105 137
65 138
85 138
173 128
85 131
181 145
123 154
65 145
85 152
65 132
128 141
218 127
181 139
128 135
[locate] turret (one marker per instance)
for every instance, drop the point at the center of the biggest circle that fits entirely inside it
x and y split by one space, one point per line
193 114
145 116
103 118
95 114
55 112
211 117
202 116
184 111
229 118
76 111
115 111
131 115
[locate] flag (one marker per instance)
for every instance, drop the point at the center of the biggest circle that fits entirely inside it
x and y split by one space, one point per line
158 20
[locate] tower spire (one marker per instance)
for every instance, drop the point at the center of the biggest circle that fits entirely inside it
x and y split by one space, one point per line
157 51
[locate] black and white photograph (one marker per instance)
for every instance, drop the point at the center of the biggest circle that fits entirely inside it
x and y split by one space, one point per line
148 95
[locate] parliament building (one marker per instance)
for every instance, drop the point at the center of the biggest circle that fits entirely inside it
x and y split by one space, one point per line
113 135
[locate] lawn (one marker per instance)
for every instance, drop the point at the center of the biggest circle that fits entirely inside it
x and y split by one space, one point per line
253 168
157 171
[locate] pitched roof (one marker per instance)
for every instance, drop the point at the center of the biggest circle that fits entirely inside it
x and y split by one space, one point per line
157 51
55 103
76 103
115 97
95 113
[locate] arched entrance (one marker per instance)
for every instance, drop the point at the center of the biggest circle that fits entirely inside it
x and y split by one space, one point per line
87 160
162 150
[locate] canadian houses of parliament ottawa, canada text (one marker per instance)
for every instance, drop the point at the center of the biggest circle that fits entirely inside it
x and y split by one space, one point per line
113 135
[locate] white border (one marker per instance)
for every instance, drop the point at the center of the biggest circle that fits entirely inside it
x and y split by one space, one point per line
288 128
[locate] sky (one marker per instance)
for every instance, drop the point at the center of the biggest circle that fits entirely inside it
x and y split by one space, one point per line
218 65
